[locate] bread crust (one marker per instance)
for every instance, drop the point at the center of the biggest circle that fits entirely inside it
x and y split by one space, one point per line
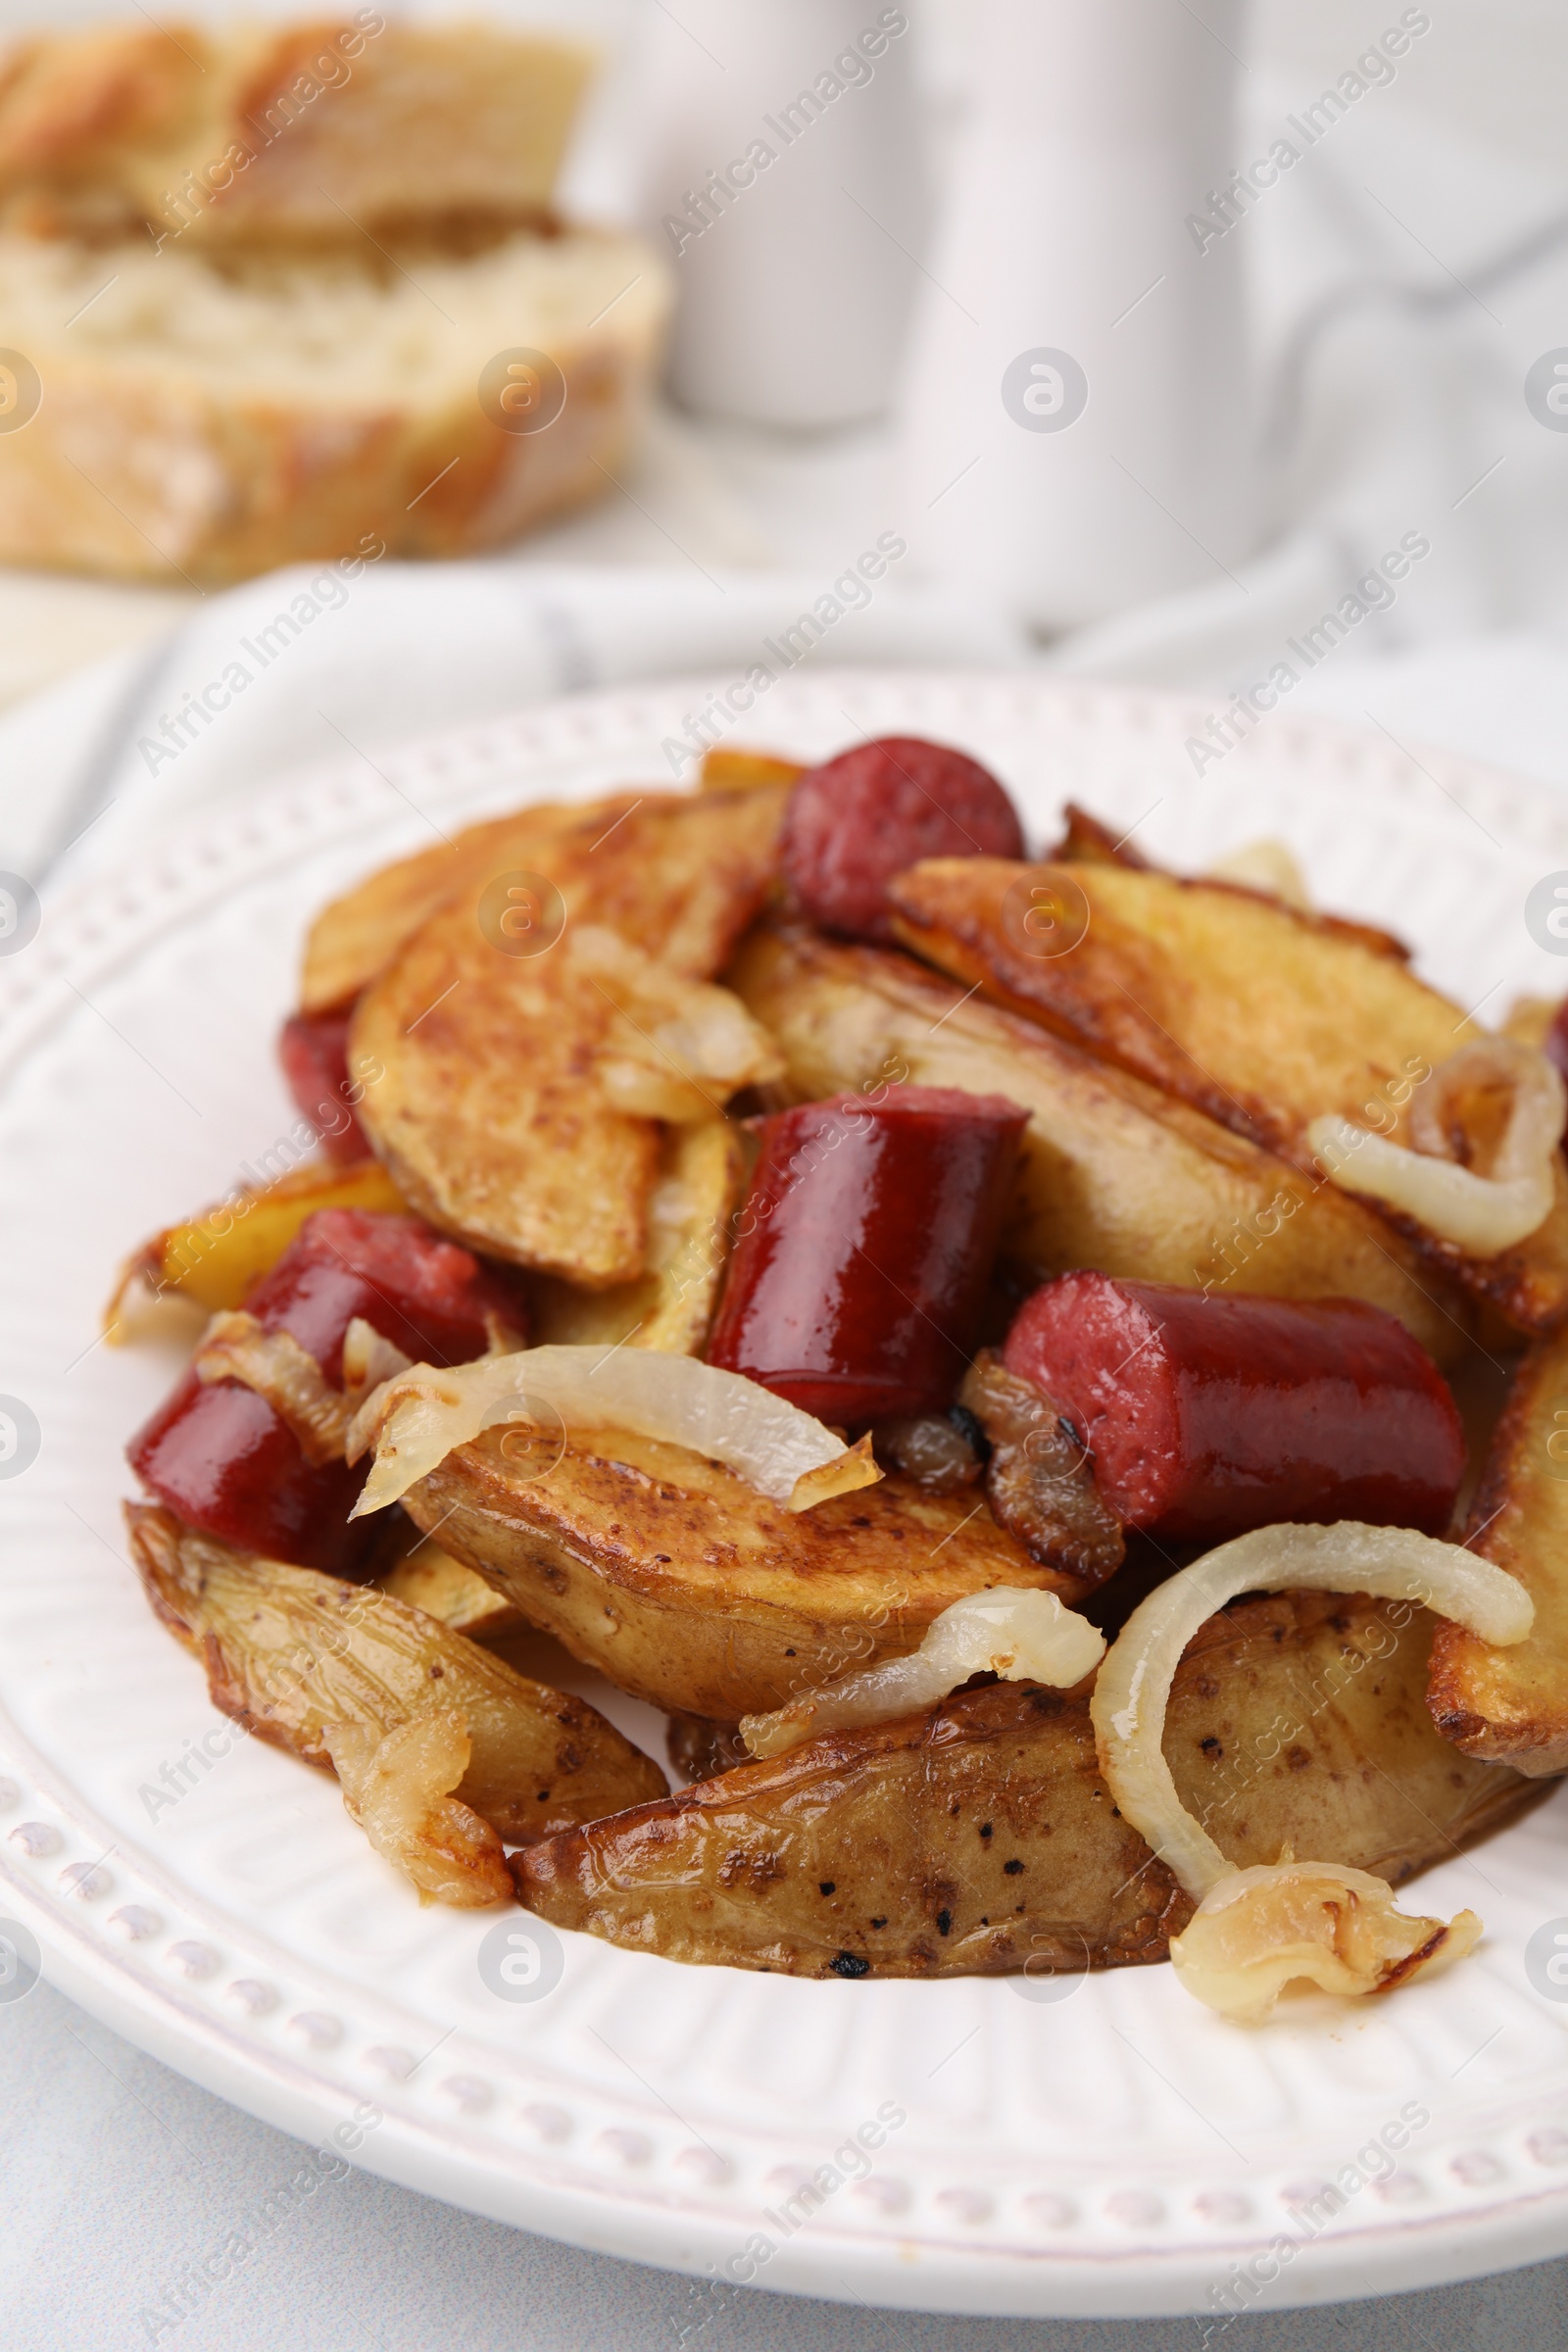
142 462
309 132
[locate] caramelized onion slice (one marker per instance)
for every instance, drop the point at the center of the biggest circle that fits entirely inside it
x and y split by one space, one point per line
1480 1214
1022 1636
235 1347
1128 1711
1265 865
399 1789
415 1420
368 1358
1261 1929
680 1048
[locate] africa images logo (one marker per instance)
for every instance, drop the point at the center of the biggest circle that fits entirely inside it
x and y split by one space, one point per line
1044 390
1547 913
1547 1960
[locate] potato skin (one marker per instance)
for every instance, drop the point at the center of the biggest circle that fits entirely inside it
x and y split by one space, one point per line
289 1652
1512 1704
690 1589
1261 1018
980 1838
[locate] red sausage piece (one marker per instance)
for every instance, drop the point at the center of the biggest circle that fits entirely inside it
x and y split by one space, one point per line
1554 1044
426 1295
223 1460
1208 1417
857 821
857 1280
314 1049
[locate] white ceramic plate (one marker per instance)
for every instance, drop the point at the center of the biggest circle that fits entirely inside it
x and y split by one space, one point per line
1113 2150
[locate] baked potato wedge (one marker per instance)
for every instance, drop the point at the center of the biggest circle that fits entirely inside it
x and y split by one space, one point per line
430 1578
685 876
688 1588
296 1657
1116 1173
1255 866
519 1097
1260 1016
1512 1704
698 1187
981 1838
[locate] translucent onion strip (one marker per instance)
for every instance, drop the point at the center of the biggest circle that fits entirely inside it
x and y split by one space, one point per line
1480 1214
1256 1930
415 1420
1132 1689
1022 1636
235 1347
1341 1929
1266 864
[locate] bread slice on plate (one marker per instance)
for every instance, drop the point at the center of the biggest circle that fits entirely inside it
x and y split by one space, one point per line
210 419
283 131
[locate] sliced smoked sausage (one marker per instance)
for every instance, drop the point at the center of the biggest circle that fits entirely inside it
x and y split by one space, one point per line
218 1454
861 1256
857 820
1208 1417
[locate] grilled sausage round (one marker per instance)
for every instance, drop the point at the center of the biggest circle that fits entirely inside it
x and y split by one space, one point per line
861 1256
857 820
1206 1416
223 1460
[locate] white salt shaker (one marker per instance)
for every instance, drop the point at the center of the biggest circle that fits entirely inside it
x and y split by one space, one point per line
1078 415
781 172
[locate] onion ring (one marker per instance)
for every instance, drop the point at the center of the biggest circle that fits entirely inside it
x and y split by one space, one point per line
1022 1636
1480 1214
416 1419
1296 1918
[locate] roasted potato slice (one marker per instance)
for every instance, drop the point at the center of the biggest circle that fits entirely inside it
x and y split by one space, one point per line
356 936
294 1656
1115 1174
519 1094
431 1580
1263 1017
981 1838
215 1259
700 1172
683 875
1512 1704
732 770
1254 867
688 1588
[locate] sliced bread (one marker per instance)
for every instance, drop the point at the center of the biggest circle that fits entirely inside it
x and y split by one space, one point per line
178 414
307 132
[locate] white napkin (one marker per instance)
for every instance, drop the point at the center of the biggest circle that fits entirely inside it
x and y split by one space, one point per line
307 666
1407 278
